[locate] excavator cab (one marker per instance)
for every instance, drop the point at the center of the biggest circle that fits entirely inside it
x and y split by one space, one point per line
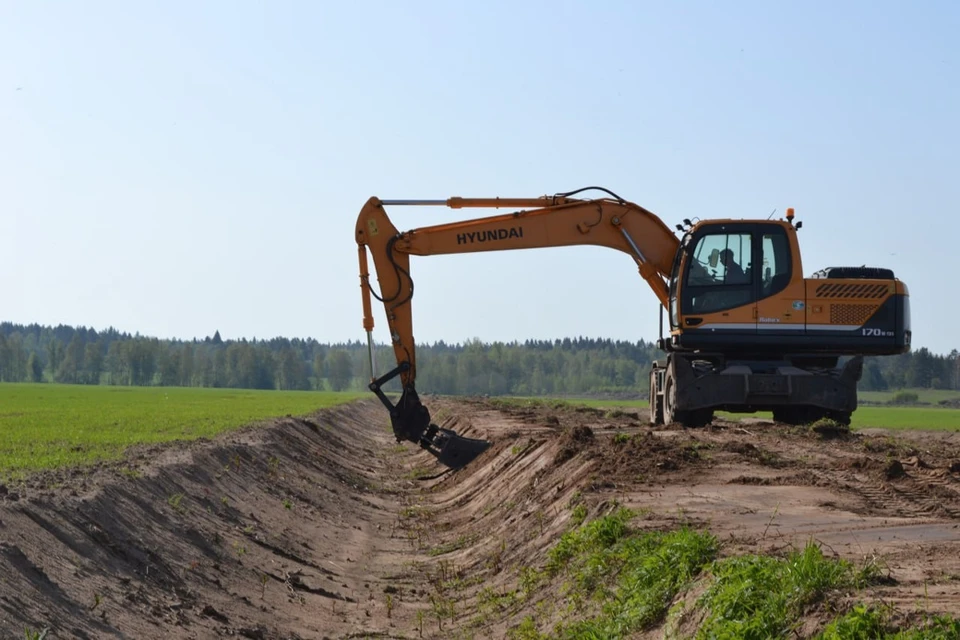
738 286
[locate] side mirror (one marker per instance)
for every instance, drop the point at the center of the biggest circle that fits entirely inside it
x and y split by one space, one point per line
714 258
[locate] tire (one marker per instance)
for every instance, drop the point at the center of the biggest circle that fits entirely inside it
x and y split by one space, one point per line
656 400
691 419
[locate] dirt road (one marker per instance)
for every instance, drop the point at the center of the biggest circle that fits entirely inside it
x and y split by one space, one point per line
326 528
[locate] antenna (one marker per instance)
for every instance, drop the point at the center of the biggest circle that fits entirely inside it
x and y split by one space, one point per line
771 213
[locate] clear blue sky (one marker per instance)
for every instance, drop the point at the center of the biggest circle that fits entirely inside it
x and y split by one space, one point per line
174 168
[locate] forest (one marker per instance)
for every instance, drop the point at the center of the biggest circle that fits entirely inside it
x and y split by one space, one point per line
561 367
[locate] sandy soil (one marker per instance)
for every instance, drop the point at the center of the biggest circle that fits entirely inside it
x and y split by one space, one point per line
326 528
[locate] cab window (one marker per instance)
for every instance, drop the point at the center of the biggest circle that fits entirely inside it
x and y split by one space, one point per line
775 274
719 273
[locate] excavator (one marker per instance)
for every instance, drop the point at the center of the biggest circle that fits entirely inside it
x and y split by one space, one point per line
747 331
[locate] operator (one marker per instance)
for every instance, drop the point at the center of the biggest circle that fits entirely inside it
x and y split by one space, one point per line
735 274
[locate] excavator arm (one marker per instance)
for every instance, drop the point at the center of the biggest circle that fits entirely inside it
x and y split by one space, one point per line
548 221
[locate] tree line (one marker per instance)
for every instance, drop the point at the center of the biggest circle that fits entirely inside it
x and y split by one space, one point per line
568 366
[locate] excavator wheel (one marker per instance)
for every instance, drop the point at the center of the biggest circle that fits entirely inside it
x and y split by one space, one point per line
691 419
656 400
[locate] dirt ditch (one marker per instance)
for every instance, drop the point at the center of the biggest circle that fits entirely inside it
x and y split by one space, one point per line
326 528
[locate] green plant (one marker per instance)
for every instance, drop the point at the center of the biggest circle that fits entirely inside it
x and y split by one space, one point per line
756 596
626 579
579 514
861 623
176 501
905 397
827 428
526 630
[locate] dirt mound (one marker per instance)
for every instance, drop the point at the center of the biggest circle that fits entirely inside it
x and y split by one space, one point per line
572 442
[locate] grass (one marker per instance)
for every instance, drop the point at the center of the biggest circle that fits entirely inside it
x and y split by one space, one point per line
865 622
929 396
927 418
617 582
45 426
756 597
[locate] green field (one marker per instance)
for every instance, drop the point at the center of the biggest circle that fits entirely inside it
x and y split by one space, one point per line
926 396
44 426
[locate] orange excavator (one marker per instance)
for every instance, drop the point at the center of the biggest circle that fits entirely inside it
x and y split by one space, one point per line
747 331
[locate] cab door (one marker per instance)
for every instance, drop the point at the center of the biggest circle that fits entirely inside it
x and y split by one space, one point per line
720 285
781 299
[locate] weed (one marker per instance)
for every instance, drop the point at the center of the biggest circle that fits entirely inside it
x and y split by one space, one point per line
579 514
287 504
442 608
420 473
621 438
862 622
273 466
418 512
176 501
529 580
453 545
29 634
632 577
490 601
761 596
600 533
495 562
827 428
526 630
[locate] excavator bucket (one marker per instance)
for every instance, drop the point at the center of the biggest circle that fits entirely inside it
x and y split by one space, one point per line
453 450
411 422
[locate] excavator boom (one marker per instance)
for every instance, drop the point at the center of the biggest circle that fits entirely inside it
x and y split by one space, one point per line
548 221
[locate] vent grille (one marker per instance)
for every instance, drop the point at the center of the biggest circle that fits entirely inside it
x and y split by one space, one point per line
855 314
852 290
